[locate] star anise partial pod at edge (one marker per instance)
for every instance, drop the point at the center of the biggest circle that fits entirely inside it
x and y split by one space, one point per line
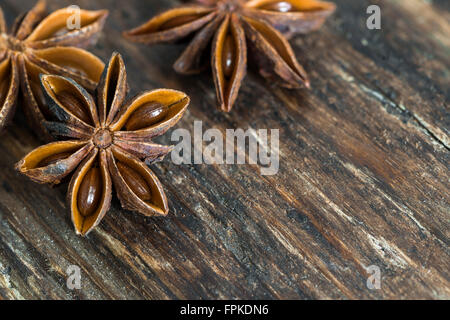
110 139
39 45
228 26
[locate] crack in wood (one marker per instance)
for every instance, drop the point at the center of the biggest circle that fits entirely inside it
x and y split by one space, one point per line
383 98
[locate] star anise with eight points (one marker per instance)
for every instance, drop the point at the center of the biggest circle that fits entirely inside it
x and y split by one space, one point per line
37 44
109 140
228 26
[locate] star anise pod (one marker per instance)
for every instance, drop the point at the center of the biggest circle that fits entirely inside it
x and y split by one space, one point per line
37 44
227 26
110 139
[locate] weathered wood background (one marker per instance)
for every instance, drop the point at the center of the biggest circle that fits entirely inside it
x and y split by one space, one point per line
363 179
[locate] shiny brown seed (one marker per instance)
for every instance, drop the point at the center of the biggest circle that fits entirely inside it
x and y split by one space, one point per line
228 56
147 115
74 105
63 48
53 159
135 181
177 22
279 6
90 192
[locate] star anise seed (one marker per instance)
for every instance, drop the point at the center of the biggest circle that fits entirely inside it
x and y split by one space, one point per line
229 26
108 144
36 45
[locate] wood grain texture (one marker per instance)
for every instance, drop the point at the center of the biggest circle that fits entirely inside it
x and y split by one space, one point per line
363 179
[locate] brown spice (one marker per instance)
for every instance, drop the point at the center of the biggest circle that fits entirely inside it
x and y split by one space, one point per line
135 181
54 158
147 115
280 6
90 192
228 56
229 25
74 105
39 45
101 152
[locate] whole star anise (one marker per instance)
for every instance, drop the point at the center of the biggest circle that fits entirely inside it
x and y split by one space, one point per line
225 25
38 45
109 140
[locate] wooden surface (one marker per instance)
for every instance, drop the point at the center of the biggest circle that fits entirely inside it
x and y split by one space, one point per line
363 179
